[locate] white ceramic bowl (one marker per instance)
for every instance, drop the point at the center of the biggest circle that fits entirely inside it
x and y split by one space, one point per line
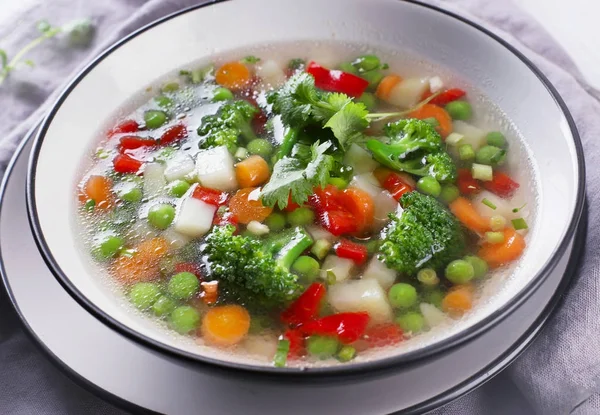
486 62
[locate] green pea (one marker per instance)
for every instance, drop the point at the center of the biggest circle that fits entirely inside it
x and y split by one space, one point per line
412 322
178 188
163 306
144 294
449 193
306 267
322 347
163 101
490 155
259 323
496 138
480 267
222 94
369 100
160 216
367 63
432 121
108 247
129 192
434 297
261 147
459 271
373 246
346 354
154 119
275 221
373 77
402 295
459 110
184 319
429 185
348 67
338 182
466 152
183 285
301 217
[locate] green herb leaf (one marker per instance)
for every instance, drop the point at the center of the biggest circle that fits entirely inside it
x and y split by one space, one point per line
43 26
250 59
348 123
293 177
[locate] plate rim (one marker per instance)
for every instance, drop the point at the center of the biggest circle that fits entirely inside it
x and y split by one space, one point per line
378 367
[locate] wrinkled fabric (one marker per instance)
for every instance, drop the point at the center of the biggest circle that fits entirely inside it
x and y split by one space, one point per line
557 373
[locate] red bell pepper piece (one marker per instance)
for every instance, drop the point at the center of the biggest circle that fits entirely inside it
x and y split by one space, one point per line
502 185
174 133
189 267
124 163
296 340
347 327
127 126
337 81
131 142
258 123
306 307
396 186
211 196
331 212
445 97
383 335
467 185
226 218
347 249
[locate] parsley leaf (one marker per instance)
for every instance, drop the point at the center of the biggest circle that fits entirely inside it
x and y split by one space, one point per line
348 123
292 177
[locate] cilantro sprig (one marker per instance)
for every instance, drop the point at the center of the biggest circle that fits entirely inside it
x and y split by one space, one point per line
79 33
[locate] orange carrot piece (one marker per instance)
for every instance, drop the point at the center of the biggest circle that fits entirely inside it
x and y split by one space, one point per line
361 205
233 75
440 114
225 325
246 206
497 255
98 188
143 265
458 300
252 172
386 85
466 213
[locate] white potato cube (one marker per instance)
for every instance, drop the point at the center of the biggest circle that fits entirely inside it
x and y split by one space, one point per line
154 180
367 182
179 168
175 239
360 159
433 316
408 92
472 135
317 232
384 205
361 295
378 271
341 267
215 169
271 73
435 84
194 217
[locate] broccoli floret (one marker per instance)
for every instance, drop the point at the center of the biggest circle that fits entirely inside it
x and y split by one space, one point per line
414 147
246 272
230 122
426 234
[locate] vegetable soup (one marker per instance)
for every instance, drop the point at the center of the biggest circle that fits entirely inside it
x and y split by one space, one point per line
303 211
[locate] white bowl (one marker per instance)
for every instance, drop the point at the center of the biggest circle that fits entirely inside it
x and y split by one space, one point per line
485 61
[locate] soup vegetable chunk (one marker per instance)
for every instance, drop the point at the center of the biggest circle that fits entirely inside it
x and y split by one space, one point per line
302 213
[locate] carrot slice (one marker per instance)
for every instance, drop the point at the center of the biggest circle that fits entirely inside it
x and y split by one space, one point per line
225 325
98 188
361 205
466 213
233 75
386 85
458 301
252 172
246 206
143 265
499 254
440 114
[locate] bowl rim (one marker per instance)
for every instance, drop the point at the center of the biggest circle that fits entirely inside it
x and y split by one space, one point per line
376 367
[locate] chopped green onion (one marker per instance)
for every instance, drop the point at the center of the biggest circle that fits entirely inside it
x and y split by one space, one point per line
321 248
519 224
89 205
185 72
129 253
385 66
346 354
488 203
241 153
482 172
494 237
283 348
170 87
250 59
497 222
428 276
331 278
466 152
454 139
516 210
102 153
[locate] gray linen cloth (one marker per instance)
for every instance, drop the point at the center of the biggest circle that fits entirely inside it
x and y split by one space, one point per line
554 375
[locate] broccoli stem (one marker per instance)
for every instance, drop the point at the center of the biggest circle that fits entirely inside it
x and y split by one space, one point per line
289 245
290 138
247 132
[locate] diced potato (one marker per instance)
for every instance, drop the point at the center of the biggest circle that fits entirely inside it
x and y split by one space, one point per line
175 239
433 315
435 84
378 271
504 207
261 346
179 167
408 92
154 180
317 232
341 267
361 295
472 135
258 228
194 217
215 169
384 205
367 182
271 73
360 160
